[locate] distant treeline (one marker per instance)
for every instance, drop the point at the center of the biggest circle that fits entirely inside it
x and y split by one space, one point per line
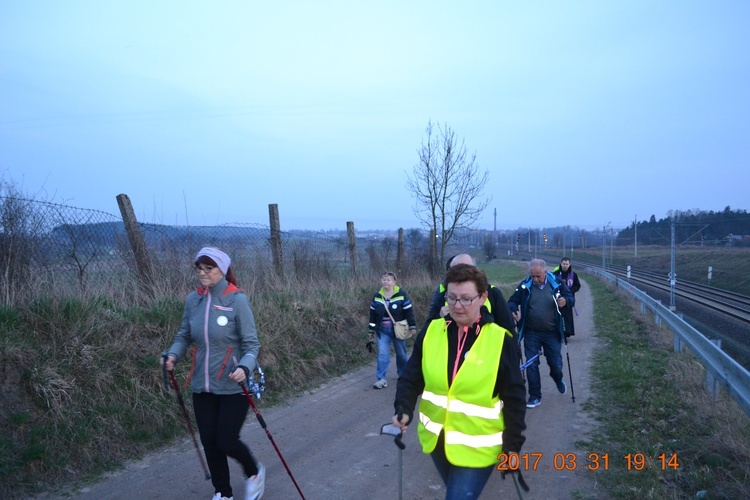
692 227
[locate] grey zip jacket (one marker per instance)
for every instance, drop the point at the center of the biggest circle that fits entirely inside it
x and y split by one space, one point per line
219 321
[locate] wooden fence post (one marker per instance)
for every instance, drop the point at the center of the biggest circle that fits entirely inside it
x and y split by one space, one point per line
145 270
400 251
278 260
352 246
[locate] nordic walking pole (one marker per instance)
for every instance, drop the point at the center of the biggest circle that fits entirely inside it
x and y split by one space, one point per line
392 430
270 437
518 480
570 373
185 414
518 487
530 360
567 355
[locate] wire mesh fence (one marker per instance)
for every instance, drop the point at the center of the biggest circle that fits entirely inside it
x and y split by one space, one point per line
74 251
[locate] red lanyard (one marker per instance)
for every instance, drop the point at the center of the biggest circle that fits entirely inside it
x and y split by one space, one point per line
460 348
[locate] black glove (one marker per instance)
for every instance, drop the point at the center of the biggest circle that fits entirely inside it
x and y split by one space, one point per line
369 345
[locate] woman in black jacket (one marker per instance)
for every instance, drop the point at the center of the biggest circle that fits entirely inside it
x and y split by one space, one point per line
472 407
390 298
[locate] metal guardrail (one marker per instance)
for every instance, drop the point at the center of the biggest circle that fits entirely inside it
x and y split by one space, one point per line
721 370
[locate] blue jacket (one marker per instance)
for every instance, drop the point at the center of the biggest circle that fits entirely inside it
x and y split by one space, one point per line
521 295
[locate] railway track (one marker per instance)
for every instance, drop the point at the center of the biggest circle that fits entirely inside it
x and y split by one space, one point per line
716 313
729 303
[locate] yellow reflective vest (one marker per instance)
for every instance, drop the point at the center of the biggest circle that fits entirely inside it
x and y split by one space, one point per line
466 412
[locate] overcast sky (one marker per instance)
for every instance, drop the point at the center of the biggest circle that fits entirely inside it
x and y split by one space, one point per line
584 112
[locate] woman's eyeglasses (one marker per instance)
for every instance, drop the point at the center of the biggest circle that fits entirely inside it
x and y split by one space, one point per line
463 300
204 269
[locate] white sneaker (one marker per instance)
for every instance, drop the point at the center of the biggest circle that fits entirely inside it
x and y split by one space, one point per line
218 496
381 384
256 484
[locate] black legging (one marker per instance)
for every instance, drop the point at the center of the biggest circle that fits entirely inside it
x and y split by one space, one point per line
220 418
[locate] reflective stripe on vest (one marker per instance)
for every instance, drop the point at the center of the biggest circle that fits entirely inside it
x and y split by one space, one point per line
466 412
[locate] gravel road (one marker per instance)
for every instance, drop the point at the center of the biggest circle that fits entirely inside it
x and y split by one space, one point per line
330 439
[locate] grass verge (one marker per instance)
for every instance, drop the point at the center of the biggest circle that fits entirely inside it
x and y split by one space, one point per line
81 391
651 401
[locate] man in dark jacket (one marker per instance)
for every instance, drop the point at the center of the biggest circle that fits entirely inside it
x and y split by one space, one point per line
536 306
564 274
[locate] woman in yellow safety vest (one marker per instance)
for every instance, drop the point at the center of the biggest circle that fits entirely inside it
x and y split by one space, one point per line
466 369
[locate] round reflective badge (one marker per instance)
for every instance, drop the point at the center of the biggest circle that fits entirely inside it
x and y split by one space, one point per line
222 321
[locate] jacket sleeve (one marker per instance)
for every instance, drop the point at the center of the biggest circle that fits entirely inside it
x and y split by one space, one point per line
500 310
570 300
411 382
512 391
249 343
438 300
372 327
409 311
183 339
576 284
515 300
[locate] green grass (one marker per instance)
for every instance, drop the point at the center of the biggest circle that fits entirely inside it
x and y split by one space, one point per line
650 400
505 275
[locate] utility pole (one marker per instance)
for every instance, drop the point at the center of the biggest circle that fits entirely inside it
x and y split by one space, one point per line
672 273
529 239
635 230
604 248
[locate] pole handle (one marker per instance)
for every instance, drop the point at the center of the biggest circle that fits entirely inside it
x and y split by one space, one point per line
399 442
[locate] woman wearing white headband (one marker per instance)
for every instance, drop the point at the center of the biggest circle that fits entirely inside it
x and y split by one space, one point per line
217 318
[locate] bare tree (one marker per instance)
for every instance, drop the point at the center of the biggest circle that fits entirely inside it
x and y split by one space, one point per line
489 246
447 185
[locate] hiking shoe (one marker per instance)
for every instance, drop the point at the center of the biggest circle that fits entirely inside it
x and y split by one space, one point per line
533 402
381 384
562 387
256 484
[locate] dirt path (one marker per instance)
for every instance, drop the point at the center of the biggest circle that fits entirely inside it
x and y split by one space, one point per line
330 439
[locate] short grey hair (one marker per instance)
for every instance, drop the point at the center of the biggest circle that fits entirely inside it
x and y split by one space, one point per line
537 263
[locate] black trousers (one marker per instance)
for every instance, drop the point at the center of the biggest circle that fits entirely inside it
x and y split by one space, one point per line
220 419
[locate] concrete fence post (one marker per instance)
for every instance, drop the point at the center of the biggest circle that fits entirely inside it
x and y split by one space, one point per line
712 383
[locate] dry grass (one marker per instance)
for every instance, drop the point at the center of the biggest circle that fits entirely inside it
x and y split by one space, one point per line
79 376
